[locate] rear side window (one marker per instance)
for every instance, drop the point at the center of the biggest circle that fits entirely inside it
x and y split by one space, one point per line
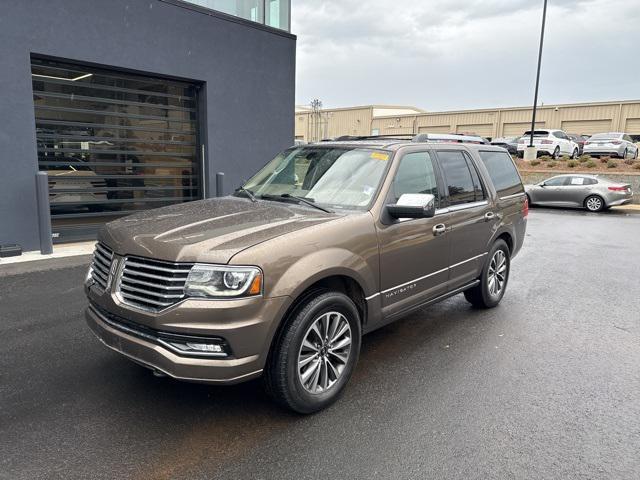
503 173
459 179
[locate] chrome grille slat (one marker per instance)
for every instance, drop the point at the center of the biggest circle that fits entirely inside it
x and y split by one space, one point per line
150 284
156 277
150 292
100 265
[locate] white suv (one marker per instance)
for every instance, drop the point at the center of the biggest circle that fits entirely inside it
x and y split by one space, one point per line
549 142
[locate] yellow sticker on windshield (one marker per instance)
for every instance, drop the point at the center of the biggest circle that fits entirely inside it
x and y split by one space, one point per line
380 156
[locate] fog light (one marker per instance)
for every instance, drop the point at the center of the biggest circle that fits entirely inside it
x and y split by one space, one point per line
195 346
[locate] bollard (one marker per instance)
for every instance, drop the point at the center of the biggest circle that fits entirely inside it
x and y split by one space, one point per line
44 213
219 184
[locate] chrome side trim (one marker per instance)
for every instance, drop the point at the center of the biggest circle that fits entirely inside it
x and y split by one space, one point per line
463 206
370 297
515 195
468 260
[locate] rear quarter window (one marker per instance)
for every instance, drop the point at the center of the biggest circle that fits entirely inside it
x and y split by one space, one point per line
503 173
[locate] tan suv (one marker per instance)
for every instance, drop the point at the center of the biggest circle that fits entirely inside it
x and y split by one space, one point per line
327 242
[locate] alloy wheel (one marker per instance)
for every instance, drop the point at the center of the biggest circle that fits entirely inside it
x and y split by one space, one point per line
594 204
324 353
497 275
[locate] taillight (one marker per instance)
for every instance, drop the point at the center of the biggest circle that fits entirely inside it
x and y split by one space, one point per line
617 142
618 189
525 207
587 142
547 142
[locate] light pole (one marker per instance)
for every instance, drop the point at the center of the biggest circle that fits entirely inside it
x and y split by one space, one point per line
535 96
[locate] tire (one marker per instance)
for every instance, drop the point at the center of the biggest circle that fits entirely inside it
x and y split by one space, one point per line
635 156
330 369
624 154
575 154
594 203
556 153
528 199
484 295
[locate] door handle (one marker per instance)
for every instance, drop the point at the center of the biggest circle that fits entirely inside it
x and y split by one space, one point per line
439 229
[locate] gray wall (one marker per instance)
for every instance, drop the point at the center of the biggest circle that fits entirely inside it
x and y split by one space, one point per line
249 75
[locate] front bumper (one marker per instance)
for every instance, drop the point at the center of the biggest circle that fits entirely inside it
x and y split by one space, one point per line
246 325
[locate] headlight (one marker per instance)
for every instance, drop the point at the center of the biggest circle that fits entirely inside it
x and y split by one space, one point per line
221 281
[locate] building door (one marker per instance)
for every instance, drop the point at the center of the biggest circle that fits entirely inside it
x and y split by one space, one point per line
113 143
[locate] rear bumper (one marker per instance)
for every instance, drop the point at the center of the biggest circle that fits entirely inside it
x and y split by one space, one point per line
595 152
622 201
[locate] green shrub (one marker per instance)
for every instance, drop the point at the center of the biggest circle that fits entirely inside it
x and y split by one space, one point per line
565 158
629 161
584 158
572 163
551 164
535 162
545 158
637 166
605 159
590 164
612 164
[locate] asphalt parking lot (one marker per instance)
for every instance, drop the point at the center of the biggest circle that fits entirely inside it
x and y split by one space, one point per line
547 385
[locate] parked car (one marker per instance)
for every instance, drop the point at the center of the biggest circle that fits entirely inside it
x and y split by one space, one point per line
613 144
581 191
579 140
549 142
510 143
327 242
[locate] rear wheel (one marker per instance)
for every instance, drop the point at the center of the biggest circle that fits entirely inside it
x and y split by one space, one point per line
494 278
575 154
556 153
624 154
594 203
315 354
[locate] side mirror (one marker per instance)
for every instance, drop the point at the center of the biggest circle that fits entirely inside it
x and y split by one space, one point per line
413 205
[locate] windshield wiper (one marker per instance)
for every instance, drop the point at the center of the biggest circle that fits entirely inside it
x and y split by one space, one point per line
249 193
307 201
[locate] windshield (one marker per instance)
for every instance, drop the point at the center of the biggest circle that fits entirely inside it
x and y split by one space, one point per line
338 177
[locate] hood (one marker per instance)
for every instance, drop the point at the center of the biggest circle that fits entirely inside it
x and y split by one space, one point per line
212 230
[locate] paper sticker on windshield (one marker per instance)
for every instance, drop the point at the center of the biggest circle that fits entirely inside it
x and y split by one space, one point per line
380 156
577 181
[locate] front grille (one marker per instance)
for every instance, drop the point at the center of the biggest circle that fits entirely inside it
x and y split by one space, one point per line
152 284
101 264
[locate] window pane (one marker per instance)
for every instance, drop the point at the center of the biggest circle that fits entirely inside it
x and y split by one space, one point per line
247 9
277 14
457 177
503 173
556 181
479 191
416 175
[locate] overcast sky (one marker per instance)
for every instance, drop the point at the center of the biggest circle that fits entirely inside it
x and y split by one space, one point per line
461 54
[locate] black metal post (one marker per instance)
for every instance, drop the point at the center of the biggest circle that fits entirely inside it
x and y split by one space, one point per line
44 213
535 97
219 184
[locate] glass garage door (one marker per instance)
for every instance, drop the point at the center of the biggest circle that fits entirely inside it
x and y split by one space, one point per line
113 144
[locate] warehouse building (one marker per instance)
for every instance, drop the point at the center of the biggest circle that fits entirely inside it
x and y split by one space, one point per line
134 104
580 118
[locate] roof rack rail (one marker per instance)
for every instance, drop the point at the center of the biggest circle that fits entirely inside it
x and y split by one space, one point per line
449 138
419 138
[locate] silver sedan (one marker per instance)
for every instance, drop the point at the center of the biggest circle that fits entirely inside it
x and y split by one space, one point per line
615 143
582 191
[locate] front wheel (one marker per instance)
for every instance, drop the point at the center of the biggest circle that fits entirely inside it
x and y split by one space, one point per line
494 278
315 353
594 203
556 153
575 154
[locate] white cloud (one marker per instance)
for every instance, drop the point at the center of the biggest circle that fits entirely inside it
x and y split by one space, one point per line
449 54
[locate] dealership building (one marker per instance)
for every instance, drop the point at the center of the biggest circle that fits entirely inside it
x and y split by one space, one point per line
135 104
579 118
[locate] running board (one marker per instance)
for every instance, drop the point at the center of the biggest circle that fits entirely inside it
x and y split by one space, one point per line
444 296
